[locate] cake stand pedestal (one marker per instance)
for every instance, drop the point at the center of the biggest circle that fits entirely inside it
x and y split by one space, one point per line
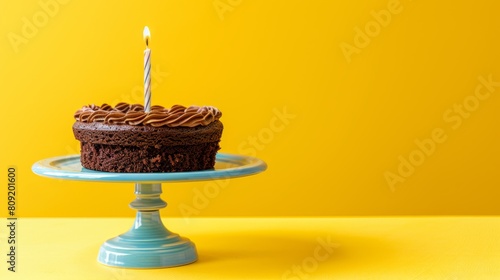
148 244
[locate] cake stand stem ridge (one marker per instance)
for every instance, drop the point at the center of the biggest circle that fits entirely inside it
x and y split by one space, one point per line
147 197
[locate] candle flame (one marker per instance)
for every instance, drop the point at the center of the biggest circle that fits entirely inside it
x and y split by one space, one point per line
147 35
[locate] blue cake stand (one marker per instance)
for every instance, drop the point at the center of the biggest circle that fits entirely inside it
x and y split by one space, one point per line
148 244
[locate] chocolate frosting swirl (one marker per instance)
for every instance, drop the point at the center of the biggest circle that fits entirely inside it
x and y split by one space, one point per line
133 114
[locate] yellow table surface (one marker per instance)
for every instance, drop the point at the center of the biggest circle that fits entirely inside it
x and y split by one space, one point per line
272 248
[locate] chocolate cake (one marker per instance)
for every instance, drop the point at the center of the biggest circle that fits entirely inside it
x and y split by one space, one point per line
125 138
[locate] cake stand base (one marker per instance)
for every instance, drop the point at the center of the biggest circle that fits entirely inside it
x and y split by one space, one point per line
148 244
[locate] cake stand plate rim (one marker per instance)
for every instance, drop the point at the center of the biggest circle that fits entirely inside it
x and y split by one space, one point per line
69 167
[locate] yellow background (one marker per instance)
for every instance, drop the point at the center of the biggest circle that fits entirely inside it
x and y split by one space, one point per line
350 117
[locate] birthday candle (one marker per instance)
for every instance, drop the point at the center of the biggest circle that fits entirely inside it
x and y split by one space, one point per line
147 71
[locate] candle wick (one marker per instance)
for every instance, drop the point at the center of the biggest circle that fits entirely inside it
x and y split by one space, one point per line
147 42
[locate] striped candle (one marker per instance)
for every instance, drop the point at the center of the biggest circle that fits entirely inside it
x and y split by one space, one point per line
147 71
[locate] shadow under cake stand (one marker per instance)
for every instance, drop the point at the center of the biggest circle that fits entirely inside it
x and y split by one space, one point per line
148 244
